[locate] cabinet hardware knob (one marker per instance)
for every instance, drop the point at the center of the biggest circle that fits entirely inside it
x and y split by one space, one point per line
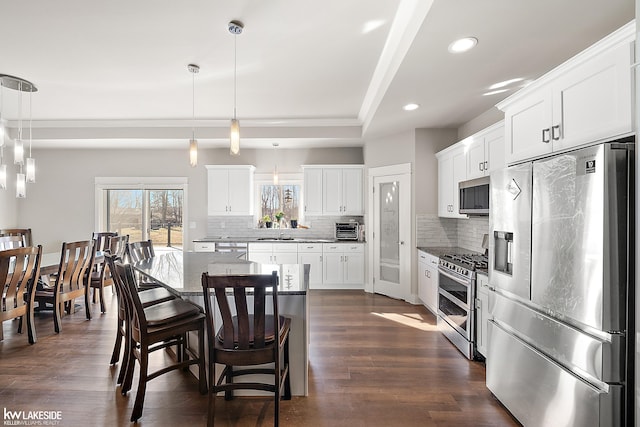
554 135
546 135
486 165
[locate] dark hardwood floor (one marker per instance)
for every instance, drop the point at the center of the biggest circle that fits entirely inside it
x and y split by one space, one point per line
374 361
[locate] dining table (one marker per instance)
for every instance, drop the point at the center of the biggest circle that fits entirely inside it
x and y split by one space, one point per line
181 273
50 262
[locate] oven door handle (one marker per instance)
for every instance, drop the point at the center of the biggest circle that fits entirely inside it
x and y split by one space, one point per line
455 300
453 277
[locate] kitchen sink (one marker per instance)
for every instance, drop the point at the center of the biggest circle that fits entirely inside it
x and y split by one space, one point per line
274 239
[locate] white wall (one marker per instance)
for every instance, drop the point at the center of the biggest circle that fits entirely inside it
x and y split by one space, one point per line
9 203
61 205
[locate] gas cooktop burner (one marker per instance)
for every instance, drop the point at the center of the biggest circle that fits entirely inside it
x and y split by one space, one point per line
464 264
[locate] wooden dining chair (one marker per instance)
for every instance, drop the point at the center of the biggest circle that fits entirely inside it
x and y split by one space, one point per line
246 337
147 297
19 270
157 327
100 274
140 251
24 233
71 281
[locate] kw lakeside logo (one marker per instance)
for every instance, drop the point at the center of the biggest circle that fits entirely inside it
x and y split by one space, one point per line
32 418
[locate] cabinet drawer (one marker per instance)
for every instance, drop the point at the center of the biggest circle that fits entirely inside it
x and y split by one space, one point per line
285 247
260 247
309 247
204 246
427 258
353 248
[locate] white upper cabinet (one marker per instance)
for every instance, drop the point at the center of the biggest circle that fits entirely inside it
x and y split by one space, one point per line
485 151
334 190
587 99
312 191
452 168
230 190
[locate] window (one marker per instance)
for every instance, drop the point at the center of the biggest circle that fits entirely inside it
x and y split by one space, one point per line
284 197
143 208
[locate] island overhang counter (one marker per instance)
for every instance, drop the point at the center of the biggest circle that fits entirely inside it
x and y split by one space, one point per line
181 273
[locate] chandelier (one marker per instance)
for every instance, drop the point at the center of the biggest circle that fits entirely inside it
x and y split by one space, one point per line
21 86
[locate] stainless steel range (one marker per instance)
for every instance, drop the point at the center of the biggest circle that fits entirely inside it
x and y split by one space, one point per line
456 298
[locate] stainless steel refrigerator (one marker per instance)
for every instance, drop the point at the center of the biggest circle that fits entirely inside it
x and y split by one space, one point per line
561 250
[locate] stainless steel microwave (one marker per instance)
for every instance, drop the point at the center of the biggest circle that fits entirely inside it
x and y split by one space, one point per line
474 196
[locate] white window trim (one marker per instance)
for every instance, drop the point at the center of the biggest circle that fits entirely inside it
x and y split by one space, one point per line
140 183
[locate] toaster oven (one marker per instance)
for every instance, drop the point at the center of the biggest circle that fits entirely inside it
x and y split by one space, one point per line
347 230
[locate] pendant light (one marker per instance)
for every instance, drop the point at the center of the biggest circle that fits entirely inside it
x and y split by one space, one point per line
31 162
276 179
235 28
193 142
20 85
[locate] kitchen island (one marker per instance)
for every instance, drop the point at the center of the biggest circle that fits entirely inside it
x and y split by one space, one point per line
181 273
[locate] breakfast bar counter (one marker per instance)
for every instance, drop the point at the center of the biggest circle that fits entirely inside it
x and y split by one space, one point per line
181 273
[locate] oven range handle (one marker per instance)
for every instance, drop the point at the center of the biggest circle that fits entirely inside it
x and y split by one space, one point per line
458 279
455 300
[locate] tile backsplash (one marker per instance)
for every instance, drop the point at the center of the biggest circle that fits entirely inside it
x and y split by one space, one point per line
431 230
320 227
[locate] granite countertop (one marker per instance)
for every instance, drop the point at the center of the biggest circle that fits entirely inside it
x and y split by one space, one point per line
442 250
181 272
266 239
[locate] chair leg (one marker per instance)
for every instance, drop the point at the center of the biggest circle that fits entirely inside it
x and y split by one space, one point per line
1 332
129 366
228 395
126 360
57 308
20 324
115 355
202 371
31 327
87 305
142 384
102 306
287 382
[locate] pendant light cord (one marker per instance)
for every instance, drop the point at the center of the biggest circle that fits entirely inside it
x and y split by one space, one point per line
193 105
30 121
235 73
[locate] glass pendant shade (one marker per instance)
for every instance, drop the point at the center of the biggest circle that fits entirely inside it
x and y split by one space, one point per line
21 186
3 177
234 141
276 179
193 152
31 170
18 152
1 135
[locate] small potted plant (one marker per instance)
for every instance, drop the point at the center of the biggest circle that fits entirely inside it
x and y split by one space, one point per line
267 221
279 217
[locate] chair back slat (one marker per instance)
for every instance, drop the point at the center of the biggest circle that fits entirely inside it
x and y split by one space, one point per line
76 261
241 329
23 233
139 251
19 269
102 239
11 242
117 246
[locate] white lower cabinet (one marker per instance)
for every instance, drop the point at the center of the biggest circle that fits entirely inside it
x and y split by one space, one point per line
273 253
311 253
428 280
343 265
482 313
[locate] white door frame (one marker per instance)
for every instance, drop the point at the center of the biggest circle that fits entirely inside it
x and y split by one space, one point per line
406 232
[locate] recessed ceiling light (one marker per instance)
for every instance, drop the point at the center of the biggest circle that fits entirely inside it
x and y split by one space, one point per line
411 107
463 45
494 92
505 83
